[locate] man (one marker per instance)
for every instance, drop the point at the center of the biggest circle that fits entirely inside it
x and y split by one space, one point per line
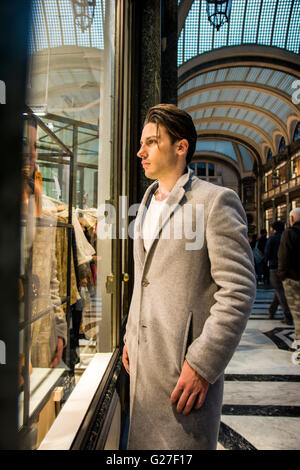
289 273
271 252
191 300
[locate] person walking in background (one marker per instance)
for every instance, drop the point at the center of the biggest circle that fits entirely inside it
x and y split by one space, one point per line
271 252
261 265
253 241
289 273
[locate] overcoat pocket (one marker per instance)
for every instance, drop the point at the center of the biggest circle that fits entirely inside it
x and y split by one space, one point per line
186 338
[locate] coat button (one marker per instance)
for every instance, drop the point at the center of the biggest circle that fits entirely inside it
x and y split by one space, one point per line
145 282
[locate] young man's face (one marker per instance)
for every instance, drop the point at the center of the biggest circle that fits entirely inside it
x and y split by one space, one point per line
158 154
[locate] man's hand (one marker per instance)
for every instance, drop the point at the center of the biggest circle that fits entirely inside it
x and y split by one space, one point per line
58 353
190 391
125 359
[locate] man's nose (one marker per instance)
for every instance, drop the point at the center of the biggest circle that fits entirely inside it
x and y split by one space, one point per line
142 152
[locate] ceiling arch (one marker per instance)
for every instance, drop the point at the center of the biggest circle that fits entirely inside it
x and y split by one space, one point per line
252 102
238 125
218 136
273 121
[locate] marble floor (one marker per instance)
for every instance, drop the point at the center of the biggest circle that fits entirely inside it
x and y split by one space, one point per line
261 406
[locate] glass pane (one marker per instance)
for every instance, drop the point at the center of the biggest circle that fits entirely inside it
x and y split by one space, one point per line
66 301
201 169
211 169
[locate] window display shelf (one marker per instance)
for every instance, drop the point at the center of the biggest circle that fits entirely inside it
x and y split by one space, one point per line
42 383
65 427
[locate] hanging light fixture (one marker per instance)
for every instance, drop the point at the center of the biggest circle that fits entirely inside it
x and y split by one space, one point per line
84 11
218 12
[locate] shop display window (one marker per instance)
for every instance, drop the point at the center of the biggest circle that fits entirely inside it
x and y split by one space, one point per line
281 171
268 219
281 212
67 295
295 166
268 182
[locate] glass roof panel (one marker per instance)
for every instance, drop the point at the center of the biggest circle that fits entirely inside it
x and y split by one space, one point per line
281 23
220 37
40 31
53 25
293 39
264 22
246 158
219 146
180 48
251 21
67 23
205 31
97 37
191 31
236 22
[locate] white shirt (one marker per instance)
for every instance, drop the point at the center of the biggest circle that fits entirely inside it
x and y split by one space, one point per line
151 221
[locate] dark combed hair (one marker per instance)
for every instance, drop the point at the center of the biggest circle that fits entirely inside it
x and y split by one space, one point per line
179 125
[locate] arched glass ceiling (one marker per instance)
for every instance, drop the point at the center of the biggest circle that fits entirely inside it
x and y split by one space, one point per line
263 22
218 146
253 103
246 158
228 149
53 25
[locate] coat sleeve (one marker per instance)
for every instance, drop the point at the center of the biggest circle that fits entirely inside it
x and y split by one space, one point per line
232 271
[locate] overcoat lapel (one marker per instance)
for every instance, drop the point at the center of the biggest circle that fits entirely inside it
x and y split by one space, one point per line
174 199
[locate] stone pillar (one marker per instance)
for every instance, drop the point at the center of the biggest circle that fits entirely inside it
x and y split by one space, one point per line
147 46
169 73
155 63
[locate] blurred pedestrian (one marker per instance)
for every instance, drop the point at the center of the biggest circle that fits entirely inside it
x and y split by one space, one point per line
289 273
253 240
271 252
261 264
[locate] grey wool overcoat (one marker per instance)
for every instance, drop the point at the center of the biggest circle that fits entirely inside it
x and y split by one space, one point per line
193 292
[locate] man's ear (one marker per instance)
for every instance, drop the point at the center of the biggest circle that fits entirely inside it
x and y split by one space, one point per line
183 146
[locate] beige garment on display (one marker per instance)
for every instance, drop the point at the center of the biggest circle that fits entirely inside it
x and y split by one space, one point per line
85 251
46 330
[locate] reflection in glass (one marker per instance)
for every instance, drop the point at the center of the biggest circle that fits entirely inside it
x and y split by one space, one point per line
65 308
